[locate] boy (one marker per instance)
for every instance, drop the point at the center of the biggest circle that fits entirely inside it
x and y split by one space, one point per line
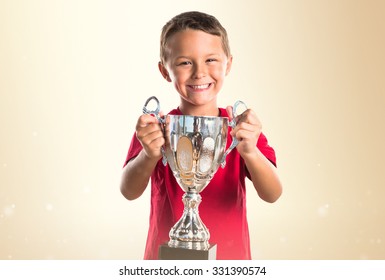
195 57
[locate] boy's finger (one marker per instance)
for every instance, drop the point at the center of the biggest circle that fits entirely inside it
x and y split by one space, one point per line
144 120
229 110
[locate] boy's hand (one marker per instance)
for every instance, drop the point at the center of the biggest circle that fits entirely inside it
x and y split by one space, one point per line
247 131
150 135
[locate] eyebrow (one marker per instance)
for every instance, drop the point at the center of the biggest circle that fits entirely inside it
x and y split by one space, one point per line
182 57
187 57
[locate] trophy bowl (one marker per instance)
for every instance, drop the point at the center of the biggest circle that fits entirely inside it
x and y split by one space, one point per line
195 147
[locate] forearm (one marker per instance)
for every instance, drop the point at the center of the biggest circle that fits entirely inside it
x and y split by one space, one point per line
136 175
263 175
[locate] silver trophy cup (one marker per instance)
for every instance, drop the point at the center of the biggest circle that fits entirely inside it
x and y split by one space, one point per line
195 148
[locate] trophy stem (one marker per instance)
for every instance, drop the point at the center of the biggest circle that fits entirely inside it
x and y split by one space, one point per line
190 232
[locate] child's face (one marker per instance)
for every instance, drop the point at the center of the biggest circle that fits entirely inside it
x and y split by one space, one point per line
197 66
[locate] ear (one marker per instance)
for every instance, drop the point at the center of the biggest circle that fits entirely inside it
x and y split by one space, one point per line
229 63
164 71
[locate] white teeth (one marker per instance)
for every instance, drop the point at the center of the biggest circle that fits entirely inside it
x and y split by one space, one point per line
201 86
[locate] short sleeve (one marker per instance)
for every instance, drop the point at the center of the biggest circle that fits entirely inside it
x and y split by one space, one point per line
266 149
134 150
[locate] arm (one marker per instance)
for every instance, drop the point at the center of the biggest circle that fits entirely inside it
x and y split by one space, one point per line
262 171
138 170
264 176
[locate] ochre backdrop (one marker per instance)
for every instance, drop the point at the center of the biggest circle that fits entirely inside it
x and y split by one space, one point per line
74 76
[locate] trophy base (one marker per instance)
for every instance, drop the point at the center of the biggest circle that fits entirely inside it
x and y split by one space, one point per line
170 253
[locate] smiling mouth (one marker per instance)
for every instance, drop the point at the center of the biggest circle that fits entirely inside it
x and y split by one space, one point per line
200 87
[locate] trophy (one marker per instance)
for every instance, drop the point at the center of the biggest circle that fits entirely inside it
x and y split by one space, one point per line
195 147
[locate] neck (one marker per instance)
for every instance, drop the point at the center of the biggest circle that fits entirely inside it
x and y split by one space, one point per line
209 110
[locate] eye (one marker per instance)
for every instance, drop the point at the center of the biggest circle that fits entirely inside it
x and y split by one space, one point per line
210 60
184 63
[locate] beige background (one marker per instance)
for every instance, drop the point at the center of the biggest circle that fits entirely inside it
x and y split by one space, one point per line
75 74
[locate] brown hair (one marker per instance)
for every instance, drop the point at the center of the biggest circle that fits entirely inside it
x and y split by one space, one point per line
196 21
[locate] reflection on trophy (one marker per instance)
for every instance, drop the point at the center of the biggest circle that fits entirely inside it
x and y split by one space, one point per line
195 148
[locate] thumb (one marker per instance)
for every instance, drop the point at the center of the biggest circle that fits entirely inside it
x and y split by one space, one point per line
229 110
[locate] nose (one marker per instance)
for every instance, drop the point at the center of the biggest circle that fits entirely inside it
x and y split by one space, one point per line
199 71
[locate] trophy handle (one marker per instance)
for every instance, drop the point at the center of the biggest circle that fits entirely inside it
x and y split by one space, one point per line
161 120
232 124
